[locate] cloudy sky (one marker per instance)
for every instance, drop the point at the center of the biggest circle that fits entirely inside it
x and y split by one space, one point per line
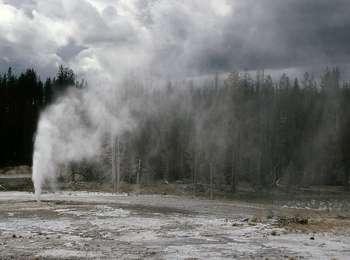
174 37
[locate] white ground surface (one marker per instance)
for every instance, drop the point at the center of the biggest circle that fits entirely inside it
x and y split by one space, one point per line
80 225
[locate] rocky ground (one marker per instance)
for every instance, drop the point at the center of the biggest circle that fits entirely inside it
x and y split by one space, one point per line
80 225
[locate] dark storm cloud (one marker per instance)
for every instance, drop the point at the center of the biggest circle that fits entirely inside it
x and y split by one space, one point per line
277 34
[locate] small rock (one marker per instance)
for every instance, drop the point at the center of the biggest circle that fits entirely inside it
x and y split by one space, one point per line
301 220
14 236
274 233
312 238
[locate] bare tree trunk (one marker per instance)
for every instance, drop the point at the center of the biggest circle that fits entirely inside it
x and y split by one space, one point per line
211 172
194 176
138 172
115 164
276 178
71 168
258 170
234 172
167 170
118 165
235 167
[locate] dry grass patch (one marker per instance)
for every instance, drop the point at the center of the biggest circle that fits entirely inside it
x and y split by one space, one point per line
314 225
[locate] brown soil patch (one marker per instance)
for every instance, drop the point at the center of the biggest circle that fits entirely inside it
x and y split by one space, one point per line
336 225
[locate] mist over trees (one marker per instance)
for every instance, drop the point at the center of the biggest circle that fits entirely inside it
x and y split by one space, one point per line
244 129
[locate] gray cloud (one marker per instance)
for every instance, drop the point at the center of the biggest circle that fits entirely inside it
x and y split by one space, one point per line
277 34
174 37
70 50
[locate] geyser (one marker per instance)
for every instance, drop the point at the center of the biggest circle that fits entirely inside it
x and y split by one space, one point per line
72 129
134 39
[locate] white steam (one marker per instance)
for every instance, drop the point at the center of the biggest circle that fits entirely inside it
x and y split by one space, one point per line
71 130
158 39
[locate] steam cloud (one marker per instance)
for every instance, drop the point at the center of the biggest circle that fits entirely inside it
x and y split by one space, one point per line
105 41
73 128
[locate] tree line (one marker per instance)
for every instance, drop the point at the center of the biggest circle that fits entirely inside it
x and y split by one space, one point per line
243 130
225 133
22 97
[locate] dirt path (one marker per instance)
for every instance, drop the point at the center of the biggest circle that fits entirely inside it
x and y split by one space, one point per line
97 225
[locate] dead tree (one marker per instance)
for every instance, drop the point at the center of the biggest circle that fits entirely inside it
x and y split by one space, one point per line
115 163
138 172
234 169
211 179
194 173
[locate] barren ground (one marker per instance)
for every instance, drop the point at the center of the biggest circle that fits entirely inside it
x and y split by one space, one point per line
70 225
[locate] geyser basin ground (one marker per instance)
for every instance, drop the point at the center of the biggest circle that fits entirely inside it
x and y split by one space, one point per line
83 225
